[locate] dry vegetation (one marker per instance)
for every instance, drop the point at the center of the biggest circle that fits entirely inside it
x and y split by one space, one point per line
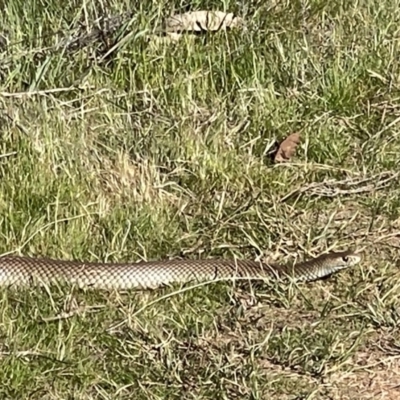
121 149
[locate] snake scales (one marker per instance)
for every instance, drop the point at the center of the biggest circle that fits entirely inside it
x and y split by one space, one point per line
23 271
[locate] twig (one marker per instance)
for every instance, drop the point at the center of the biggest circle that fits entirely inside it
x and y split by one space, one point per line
333 188
68 314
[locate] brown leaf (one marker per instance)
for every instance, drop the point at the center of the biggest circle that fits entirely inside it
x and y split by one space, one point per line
202 21
287 148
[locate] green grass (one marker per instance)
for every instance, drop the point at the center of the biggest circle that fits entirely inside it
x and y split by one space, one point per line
165 151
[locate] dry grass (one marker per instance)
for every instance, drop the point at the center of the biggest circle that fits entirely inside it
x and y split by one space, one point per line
162 151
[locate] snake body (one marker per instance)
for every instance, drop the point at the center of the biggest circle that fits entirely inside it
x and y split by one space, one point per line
24 271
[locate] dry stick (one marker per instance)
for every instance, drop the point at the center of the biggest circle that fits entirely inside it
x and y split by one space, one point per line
330 188
13 153
37 92
76 311
108 26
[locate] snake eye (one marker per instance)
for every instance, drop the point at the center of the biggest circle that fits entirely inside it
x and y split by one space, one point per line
345 259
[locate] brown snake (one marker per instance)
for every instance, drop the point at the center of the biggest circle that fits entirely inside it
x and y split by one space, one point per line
23 271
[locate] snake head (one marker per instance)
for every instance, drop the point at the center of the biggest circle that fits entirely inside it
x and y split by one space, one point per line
344 259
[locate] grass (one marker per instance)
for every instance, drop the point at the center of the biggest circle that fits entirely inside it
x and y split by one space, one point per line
165 151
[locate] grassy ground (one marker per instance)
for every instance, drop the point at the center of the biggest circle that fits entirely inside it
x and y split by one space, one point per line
164 152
